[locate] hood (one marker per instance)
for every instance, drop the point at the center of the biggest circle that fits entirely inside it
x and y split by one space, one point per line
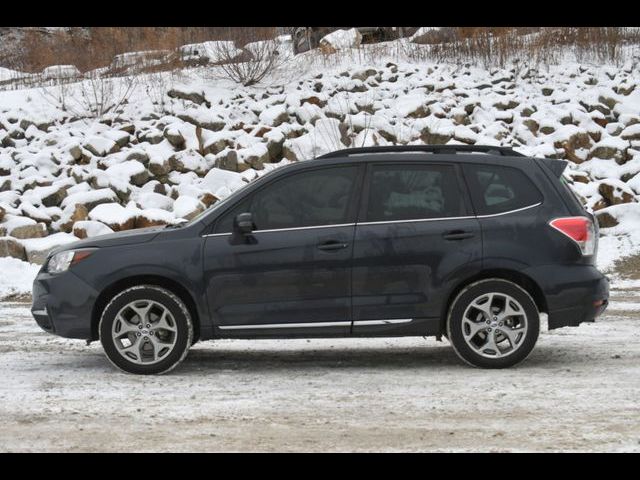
128 237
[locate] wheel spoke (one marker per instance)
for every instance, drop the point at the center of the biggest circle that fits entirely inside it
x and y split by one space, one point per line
142 312
125 326
158 346
512 334
134 348
474 328
485 307
491 343
163 324
508 311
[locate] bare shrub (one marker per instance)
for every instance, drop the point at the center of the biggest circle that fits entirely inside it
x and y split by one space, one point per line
156 86
93 97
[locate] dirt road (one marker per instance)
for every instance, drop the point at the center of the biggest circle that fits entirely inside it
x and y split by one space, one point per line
579 390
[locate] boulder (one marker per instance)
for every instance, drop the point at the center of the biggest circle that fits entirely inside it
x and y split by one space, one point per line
187 207
605 219
615 192
37 249
227 160
114 215
72 215
34 230
195 97
90 228
275 115
153 217
101 146
55 197
632 132
151 136
174 136
11 248
255 156
90 199
611 148
340 39
362 75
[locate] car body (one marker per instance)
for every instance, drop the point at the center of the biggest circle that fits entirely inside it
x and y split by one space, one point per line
366 274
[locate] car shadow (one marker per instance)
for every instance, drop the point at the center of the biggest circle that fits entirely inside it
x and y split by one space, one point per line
321 358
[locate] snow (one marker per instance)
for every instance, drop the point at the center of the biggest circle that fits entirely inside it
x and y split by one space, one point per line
214 51
422 31
341 39
17 277
111 214
61 71
222 182
155 200
40 246
577 391
185 205
84 197
92 228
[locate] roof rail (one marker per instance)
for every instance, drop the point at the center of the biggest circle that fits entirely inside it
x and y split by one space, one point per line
451 149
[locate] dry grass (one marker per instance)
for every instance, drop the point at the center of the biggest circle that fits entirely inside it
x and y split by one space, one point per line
96 47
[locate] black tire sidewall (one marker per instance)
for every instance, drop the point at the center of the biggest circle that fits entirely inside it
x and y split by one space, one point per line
470 293
178 311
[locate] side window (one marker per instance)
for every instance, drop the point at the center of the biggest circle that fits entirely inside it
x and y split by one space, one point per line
497 189
317 197
408 192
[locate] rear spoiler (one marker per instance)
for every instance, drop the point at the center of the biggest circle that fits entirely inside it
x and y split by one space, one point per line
556 166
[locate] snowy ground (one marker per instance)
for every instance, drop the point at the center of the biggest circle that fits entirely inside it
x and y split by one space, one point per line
577 391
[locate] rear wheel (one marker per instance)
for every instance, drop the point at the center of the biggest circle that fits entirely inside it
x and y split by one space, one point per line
493 323
146 330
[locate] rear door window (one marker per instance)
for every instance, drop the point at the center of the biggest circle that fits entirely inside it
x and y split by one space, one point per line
413 192
499 189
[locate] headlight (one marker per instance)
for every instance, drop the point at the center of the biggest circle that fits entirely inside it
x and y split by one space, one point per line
61 261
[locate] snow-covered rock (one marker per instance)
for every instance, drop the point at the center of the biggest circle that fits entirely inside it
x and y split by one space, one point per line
341 39
90 228
114 215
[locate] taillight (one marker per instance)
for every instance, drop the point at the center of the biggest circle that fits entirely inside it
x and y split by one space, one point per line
579 229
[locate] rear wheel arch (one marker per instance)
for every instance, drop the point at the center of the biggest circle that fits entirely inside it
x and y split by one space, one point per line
108 293
514 276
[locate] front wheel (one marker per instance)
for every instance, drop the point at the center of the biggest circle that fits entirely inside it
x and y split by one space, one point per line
146 329
493 323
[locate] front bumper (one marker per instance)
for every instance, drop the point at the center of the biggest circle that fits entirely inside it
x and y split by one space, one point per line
63 304
574 293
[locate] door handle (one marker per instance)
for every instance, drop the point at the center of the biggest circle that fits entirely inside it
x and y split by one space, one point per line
457 235
332 245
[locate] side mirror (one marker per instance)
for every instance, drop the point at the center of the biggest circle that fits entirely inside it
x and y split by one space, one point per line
243 223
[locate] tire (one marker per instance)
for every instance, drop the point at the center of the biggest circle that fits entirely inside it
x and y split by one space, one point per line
512 329
135 348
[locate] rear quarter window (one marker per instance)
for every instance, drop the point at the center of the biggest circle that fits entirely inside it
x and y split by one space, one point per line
498 189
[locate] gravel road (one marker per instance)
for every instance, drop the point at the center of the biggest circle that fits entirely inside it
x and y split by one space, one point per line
579 390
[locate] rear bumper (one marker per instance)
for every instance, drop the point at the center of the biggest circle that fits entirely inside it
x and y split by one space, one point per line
574 293
63 304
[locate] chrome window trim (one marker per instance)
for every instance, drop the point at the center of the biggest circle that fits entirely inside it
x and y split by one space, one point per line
509 211
467 217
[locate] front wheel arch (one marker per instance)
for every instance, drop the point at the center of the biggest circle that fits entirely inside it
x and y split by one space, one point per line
108 293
